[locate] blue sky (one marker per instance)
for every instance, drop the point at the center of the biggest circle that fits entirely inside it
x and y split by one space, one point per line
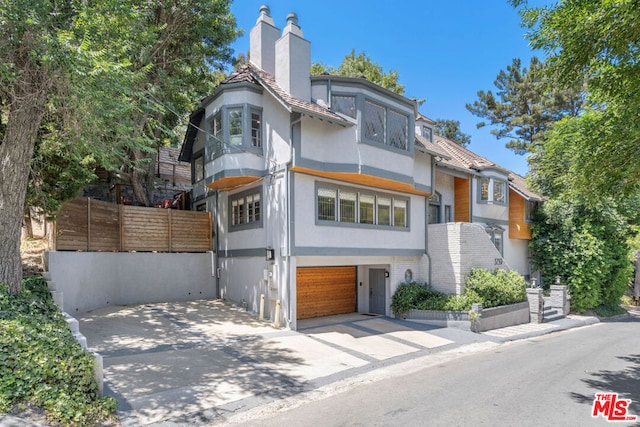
444 51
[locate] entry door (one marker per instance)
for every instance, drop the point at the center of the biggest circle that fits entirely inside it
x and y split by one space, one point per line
377 291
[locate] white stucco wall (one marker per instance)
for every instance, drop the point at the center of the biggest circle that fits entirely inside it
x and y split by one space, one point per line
328 143
242 279
516 254
90 280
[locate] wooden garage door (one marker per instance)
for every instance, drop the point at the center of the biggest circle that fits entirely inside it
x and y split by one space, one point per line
323 291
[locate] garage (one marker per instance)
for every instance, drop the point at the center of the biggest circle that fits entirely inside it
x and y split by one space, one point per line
324 291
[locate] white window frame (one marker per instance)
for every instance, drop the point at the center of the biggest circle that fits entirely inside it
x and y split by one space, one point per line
250 218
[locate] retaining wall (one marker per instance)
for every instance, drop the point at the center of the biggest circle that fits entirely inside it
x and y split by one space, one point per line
490 318
91 280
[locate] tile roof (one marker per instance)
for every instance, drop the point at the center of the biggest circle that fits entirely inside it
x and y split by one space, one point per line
464 159
241 75
292 103
431 148
519 184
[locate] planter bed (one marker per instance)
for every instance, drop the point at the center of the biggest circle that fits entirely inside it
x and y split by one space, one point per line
490 318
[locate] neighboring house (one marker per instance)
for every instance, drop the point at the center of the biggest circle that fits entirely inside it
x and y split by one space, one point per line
171 189
322 187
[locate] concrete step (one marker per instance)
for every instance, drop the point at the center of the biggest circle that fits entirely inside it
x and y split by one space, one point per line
550 314
556 316
57 298
73 325
81 339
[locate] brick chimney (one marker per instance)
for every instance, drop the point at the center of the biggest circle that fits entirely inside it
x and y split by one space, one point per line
293 60
262 42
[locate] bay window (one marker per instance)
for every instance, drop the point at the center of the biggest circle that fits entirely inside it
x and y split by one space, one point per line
235 129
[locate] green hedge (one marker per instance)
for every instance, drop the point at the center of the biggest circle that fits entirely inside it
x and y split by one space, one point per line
42 363
498 288
482 286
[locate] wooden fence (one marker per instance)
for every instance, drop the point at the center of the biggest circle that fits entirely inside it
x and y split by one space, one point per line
90 225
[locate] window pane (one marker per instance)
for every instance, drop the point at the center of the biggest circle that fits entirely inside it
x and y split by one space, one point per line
347 206
497 240
528 212
256 137
499 192
241 211
235 126
448 217
326 204
384 211
249 200
344 104
399 213
235 213
374 119
199 168
217 132
398 124
366 208
484 189
256 207
427 133
434 214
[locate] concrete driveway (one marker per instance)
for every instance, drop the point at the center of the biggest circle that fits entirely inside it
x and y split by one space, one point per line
201 362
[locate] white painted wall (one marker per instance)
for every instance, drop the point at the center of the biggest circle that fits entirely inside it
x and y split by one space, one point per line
334 144
516 254
445 186
242 279
90 280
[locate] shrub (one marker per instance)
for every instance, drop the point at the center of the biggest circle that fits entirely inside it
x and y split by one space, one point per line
41 362
498 288
420 296
408 296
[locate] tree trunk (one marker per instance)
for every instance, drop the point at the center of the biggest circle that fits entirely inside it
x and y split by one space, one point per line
26 110
143 176
28 222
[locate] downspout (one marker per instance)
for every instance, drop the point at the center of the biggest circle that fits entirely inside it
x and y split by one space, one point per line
217 237
426 216
288 219
470 198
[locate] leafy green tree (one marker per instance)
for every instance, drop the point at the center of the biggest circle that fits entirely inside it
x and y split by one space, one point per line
361 65
598 40
117 77
586 245
33 60
525 105
450 129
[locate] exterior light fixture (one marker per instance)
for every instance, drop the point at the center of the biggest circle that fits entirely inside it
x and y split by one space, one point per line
270 254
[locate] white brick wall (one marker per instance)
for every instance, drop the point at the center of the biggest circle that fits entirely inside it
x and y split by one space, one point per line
456 248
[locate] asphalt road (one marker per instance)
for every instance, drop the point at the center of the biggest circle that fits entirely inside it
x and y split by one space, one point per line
545 381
